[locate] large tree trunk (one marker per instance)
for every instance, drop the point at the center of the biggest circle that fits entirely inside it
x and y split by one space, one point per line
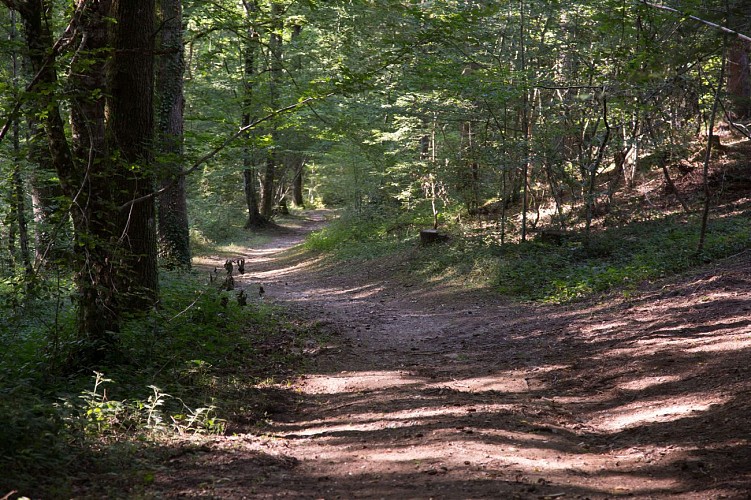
91 189
130 128
108 164
174 239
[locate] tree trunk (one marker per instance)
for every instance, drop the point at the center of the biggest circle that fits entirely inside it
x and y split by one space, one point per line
174 239
275 56
297 159
130 128
708 155
525 123
18 195
593 169
739 79
297 183
45 188
255 219
45 196
18 192
91 189
267 188
108 163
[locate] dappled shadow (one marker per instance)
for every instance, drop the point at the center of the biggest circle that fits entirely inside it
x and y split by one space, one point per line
432 391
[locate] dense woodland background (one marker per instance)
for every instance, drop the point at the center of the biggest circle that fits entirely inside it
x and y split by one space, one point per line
565 149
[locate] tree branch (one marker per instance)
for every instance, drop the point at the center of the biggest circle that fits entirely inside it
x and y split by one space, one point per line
724 29
221 147
61 43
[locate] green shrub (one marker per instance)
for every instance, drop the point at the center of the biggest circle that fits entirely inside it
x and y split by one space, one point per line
616 258
370 233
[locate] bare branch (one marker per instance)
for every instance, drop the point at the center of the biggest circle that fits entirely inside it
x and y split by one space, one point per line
724 29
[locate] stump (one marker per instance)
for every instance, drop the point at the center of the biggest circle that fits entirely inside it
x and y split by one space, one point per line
431 237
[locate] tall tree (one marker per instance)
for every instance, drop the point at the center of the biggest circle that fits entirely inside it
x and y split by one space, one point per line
174 239
18 191
275 82
130 124
250 175
105 174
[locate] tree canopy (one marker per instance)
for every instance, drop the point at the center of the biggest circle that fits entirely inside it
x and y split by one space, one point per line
130 129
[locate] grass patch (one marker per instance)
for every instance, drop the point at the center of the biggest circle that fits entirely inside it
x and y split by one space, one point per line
371 233
618 258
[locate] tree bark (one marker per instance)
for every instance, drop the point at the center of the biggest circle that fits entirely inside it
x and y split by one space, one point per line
108 162
297 159
739 79
92 189
130 127
174 238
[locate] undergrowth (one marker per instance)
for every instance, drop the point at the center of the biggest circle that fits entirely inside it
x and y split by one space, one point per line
190 367
617 258
370 233
621 258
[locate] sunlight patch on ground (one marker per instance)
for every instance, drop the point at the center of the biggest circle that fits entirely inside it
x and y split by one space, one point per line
700 341
496 455
374 421
359 293
612 325
509 382
278 273
492 383
651 412
646 382
736 343
355 381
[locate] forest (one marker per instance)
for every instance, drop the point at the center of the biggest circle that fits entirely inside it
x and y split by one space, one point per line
205 206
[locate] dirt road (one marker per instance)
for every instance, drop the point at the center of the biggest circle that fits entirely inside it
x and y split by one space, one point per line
433 391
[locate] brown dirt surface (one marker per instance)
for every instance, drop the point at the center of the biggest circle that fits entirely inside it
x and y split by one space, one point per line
429 390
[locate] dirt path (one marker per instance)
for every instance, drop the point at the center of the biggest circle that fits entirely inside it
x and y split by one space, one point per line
431 391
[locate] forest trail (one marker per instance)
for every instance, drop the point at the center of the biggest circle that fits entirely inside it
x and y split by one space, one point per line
432 391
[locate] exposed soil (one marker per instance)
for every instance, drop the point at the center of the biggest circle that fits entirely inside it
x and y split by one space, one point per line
434 391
